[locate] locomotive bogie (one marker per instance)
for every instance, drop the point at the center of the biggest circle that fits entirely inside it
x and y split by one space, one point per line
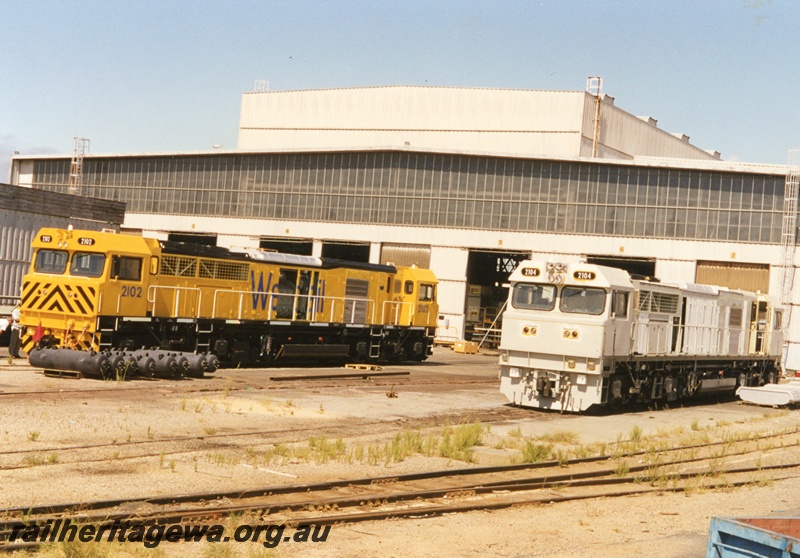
577 336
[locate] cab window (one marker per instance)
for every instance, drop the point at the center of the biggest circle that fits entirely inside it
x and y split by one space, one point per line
87 264
619 304
126 268
409 287
426 292
51 261
583 300
534 297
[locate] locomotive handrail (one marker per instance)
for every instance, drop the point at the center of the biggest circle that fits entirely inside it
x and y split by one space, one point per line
313 303
217 293
398 306
151 292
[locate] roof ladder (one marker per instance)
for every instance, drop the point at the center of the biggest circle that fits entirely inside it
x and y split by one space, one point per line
789 239
594 86
80 146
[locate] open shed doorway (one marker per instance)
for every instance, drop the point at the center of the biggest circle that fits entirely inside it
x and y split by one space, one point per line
645 267
348 251
201 239
299 246
487 272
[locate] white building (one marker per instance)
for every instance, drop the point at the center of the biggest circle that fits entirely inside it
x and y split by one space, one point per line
465 181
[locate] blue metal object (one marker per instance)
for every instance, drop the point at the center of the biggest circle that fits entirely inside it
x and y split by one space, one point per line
758 537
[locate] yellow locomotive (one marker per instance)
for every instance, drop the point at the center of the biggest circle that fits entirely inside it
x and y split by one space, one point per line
153 306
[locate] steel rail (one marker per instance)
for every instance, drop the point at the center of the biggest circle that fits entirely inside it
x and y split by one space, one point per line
186 515
471 471
504 484
199 437
363 374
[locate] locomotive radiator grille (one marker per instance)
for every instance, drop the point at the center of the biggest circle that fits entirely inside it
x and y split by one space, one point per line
228 271
178 266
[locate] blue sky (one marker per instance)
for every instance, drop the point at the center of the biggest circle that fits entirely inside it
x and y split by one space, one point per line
154 76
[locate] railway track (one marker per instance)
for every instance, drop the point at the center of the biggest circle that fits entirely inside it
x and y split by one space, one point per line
176 445
719 464
265 382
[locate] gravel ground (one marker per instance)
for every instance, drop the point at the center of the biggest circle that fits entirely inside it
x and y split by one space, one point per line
43 426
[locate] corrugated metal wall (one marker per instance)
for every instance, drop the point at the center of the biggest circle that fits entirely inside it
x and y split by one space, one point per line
548 144
543 123
414 108
15 254
622 132
734 275
503 121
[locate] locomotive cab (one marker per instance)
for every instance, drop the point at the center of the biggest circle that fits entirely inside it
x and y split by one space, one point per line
561 321
77 275
766 336
413 299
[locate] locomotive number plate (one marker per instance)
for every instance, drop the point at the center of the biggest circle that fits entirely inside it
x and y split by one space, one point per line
46 238
83 241
584 275
530 272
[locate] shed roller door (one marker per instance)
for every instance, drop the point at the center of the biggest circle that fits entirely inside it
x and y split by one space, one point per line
734 275
406 255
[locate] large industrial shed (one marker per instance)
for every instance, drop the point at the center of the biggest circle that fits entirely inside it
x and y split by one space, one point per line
465 181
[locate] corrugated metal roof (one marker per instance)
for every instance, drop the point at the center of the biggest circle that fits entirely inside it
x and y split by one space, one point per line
663 162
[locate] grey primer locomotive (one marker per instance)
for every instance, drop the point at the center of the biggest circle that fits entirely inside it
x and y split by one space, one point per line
578 335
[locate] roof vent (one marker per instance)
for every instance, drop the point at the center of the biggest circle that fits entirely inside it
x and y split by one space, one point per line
649 119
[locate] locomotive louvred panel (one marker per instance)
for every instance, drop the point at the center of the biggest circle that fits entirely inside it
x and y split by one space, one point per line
355 311
658 302
61 298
